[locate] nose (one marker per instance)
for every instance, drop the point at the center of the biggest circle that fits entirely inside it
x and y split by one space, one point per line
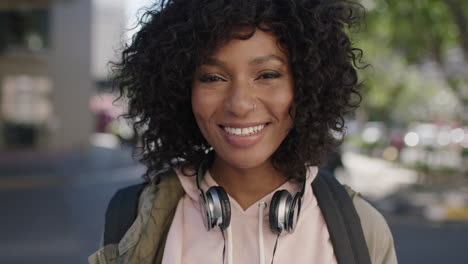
240 99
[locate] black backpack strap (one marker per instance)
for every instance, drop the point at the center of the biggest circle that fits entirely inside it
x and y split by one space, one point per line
121 213
342 220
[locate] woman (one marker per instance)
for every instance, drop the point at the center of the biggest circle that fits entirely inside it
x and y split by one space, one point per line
241 100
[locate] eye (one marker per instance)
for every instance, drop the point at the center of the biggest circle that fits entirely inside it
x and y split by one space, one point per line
210 78
269 75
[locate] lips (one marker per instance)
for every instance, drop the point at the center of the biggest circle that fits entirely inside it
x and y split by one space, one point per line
244 131
243 135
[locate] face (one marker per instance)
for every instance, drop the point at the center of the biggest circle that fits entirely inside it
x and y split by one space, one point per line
241 99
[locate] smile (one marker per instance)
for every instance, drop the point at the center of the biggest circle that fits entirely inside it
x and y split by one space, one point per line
244 131
243 135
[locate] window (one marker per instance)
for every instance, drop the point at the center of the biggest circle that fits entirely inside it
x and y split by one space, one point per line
26 29
26 109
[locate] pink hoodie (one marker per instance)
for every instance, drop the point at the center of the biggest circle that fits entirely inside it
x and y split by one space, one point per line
249 235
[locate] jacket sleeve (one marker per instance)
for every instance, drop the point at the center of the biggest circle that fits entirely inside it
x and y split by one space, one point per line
378 236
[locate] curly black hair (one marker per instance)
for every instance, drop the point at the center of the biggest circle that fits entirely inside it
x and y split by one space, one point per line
156 70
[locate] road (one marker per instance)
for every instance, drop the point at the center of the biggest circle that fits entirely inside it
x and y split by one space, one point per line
430 243
53 225
63 223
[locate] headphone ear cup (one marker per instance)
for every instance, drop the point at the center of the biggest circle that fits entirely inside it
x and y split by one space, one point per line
206 212
294 211
273 214
279 220
225 207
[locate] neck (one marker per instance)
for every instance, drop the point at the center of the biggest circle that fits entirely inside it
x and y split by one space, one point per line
247 186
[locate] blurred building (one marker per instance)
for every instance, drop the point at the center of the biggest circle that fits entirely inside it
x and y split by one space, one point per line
108 33
53 56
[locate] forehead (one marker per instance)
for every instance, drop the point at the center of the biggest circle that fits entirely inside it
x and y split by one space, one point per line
247 43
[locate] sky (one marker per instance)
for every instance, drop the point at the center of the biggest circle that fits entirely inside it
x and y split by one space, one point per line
133 11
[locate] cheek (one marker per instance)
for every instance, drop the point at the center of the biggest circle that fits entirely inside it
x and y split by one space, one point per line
203 107
290 110
288 101
282 102
198 107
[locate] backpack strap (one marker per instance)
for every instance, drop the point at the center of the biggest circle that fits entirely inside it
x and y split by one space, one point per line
121 213
344 225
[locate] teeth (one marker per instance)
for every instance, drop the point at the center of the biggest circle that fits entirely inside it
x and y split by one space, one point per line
244 131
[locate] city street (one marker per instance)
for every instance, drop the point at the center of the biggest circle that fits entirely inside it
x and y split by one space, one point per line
55 225
62 223
84 83
429 243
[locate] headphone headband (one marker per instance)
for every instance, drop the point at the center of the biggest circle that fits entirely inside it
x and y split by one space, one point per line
200 173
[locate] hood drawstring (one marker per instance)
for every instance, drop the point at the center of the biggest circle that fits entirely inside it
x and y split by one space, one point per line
261 250
229 247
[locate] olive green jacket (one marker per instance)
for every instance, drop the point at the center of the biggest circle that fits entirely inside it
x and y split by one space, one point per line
144 242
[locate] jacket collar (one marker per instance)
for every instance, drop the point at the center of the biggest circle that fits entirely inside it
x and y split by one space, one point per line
144 241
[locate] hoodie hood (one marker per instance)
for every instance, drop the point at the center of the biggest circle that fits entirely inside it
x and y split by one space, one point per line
189 185
248 239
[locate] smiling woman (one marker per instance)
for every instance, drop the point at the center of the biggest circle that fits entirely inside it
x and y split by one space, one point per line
250 86
245 85
237 103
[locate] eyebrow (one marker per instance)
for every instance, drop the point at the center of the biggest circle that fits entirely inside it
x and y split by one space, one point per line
255 61
263 59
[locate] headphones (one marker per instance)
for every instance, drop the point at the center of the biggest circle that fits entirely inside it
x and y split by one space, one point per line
216 209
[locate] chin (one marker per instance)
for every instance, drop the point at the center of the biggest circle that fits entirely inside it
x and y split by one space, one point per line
244 161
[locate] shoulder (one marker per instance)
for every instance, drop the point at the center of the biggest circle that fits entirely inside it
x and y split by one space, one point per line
377 233
138 202
140 223
168 189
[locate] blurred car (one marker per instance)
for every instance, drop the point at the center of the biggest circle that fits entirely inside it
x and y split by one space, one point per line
433 203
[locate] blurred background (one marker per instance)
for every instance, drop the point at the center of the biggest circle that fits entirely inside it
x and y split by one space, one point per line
64 150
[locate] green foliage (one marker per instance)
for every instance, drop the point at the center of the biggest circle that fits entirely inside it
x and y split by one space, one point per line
398 38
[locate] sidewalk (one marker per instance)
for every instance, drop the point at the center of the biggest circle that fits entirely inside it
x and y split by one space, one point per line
374 178
395 190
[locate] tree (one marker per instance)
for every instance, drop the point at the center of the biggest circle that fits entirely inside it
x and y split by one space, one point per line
404 33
